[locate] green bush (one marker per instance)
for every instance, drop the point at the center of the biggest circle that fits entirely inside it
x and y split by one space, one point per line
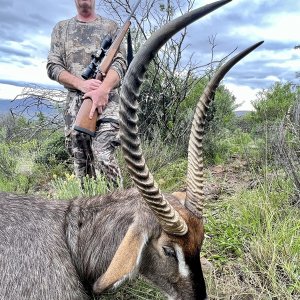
8 162
220 148
53 151
16 171
69 187
172 177
159 155
273 104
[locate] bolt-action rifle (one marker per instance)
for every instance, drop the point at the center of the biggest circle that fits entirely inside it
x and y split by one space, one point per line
100 63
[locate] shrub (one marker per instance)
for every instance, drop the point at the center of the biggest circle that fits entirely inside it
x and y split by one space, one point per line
53 151
69 187
273 104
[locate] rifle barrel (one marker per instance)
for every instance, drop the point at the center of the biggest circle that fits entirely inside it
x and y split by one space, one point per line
134 9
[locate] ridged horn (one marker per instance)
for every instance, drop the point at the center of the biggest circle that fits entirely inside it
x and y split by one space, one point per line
194 195
168 217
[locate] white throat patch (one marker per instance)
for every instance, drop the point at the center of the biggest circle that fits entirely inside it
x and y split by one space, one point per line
184 270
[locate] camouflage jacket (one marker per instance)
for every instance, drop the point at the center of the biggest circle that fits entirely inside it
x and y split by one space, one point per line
73 42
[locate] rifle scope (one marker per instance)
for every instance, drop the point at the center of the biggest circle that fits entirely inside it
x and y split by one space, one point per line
90 70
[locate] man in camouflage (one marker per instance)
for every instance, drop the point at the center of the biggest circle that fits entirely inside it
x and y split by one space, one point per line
73 42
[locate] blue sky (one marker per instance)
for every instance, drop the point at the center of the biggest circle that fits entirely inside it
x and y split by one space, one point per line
26 28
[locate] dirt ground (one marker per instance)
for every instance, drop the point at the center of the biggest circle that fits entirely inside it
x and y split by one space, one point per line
224 180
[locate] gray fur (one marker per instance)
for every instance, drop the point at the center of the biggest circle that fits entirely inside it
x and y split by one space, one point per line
56 250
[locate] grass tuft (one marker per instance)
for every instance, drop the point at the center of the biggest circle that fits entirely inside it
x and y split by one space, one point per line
254 244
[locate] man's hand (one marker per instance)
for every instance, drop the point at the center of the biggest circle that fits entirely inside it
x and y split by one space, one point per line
71 81
99 97
89 85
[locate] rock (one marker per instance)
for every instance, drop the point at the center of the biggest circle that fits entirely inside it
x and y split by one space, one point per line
206 265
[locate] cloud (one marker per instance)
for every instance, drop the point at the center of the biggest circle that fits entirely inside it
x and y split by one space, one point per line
8 91
25 29
245 95
242 23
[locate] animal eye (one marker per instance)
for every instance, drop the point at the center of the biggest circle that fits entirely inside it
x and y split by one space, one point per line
169 251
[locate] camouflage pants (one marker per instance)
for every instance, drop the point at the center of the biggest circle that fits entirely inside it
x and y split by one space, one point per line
94 155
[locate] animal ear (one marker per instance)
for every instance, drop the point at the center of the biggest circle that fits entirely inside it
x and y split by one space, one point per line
180 196
125 263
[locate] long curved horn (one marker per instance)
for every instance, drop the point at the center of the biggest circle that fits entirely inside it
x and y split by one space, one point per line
168 217
194 194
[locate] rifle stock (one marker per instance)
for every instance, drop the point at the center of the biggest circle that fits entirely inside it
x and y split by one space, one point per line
82 122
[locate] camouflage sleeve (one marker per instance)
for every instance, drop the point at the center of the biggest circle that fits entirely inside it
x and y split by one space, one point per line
55 61
120 62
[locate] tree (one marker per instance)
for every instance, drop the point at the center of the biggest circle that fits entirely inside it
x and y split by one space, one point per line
273 104
173 73
286 143
42 109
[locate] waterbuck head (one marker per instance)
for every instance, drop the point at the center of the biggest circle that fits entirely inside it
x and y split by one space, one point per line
169 256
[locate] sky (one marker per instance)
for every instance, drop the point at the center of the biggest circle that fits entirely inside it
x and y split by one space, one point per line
25 30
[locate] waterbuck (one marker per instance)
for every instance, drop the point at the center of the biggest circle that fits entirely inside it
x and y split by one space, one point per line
58 250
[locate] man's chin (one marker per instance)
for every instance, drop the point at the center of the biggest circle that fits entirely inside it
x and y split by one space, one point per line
85 7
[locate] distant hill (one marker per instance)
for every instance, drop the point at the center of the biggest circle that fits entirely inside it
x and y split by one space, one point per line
5 106
240 113
18 105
